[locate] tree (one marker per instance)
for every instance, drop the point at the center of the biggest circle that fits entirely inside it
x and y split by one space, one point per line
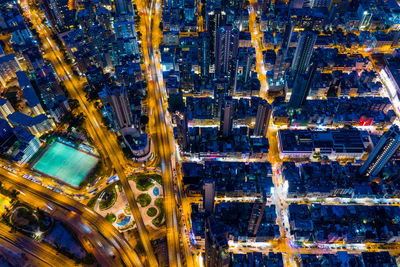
176 103
97 105
68 60
14 194
74 121
73 103
105 121
144 120
93 94
110 217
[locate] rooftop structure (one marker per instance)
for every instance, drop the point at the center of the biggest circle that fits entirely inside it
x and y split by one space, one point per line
331 143
231 178
29 93
351 223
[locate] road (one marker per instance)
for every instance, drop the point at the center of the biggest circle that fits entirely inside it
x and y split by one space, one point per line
40 253
104 139
161 129
284 248
160 125
74 212
256 40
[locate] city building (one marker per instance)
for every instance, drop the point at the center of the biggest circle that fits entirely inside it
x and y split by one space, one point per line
356 224
227 44
181 121
209 196
123 7
216 17
27 146
278 81
5 133
126 43
139 144
256 217
262 119
365 16
242 221
9 65
301 88
303 54
205 142
5 108
383 151
216 244
116 99
337 112
29 94
344 258
232 178
204 55
58 14
49 91
226 123
332 144
258 258
37 125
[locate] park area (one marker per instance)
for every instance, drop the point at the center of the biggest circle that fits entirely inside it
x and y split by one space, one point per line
111 202
148 192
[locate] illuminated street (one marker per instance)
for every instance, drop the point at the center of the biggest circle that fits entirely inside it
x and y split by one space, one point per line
199 133
37 194
163 134
37 254
103 138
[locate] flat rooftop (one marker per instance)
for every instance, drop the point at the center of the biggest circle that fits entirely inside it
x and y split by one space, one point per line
66 163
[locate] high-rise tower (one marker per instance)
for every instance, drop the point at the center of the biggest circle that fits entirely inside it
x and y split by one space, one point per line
301 87
215 19
182 128
227 117
262 119
204 54
383 151
209 196
116 97
216 244
123 7
303 53
227 44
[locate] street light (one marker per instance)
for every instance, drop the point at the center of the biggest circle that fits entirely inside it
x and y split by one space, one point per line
38 234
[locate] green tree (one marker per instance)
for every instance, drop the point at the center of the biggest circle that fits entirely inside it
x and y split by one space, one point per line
176 103
111 217
14 194
144 120
73 103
